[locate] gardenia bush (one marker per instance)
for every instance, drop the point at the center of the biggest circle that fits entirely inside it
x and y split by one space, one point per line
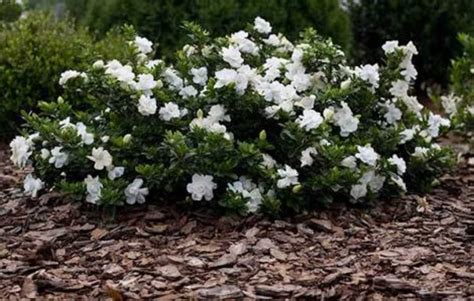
249 122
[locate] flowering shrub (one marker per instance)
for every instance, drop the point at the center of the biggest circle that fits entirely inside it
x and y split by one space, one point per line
249 121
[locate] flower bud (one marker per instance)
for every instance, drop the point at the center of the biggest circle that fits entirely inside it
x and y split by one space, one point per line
98 64
199 113
127 138
60 100
297 188
263 135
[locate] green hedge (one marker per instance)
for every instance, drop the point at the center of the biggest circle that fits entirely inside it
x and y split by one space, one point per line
9 10
34 51
432 25
160 20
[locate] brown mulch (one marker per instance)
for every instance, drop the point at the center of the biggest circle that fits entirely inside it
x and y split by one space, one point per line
414 247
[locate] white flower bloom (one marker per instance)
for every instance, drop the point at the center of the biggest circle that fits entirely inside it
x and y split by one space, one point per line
199 75
58 158
32 185
399 88
374 181
358 191
202 186
45 154
105 139
345 120
123 74
217 113
143 45
309 120
94 189
470 110
20 151
225 77
101 158
399 182
127 138
70 74
393 113
399 163
146 82
170 111
147 105
135 193
241 41
367 155
232 56
171 77
390 46
435 121
188 91
87 138
262 26
288 177
370 74
450 103
268 161
406 135
98 64
306 158
421 152
153 63
349 162
115 172
249 191
307 103
412 104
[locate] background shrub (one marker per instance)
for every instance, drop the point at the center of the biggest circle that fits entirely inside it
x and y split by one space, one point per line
33 53
432 25
161 20
9 10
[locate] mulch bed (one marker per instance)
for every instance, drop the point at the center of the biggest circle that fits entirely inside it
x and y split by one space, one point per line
414 247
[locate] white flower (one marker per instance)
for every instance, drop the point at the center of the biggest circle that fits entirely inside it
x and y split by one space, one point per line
225 77
147 105
406 135
345 120
399 182
268 161
101 158
94 189
70 74
470 110
44 154
349 162
370 74
188 91
288 177
435 121
367 155
399 88
306 159
450 103
309 120
420 152
249 191
262 26
146 82
202 186
135 193
127 138
123 74
374 181
172 78
32 185
358 191
307 103
58 158
143 45
217 113
199 75
105 138
87 138
393 113
240 39
390 46
232 56
412 104
399 163
115 172
170 111
20 151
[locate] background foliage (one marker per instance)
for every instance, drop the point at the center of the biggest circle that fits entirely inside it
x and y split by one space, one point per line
33 53
433 25
9 10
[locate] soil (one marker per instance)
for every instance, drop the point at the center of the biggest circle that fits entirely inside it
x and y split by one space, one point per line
415 247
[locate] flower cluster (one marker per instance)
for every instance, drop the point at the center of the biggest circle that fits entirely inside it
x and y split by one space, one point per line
250 120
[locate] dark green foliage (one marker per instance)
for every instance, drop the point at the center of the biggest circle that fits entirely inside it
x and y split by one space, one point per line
33 54
432 25
160 20
9 10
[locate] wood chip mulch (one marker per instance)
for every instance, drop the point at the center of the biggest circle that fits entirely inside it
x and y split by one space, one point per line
414 247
